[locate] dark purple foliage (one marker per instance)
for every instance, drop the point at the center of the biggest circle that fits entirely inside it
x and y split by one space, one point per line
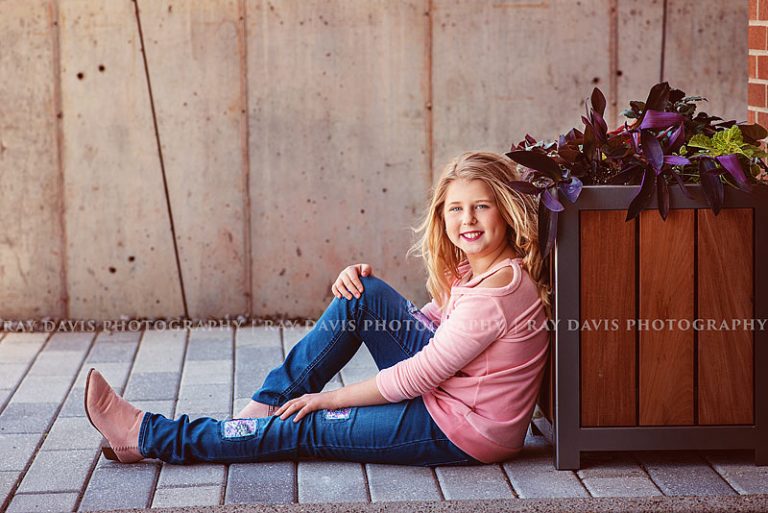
646 150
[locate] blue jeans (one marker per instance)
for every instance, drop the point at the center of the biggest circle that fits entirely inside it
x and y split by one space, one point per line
401 433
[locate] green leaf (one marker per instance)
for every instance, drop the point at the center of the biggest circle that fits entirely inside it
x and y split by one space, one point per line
725 142
753 152
728 141
701 141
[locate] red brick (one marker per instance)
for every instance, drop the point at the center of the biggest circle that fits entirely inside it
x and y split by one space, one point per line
762 10
752 9
762 66
757 37
757 95
750 116
752 66
762 118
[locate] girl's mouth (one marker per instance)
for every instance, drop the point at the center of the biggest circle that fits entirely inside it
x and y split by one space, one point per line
471 236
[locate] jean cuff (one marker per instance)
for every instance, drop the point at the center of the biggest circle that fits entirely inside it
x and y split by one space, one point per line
143 434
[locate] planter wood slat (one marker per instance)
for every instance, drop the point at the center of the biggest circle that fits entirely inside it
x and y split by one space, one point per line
666 279
607 292
725 357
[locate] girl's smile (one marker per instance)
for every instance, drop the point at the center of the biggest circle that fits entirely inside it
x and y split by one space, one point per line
471 236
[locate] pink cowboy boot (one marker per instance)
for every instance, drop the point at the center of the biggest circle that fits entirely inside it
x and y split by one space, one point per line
114 417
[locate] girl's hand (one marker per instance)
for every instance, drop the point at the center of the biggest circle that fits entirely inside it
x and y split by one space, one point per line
306 404
348 283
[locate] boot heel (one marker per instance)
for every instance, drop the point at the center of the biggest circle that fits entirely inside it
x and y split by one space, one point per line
109 453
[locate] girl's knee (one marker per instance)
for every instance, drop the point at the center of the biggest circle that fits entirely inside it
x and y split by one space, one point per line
373 285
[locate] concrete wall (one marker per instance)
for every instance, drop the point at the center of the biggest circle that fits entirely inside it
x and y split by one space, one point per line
279 141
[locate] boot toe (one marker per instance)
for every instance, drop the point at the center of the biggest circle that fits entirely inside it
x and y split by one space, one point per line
115 418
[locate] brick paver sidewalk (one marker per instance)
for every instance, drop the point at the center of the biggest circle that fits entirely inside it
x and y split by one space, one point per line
49 453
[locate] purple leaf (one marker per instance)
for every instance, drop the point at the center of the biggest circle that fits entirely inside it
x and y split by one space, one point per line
547 229
625 176
677 138
549 197
657 98
676 160
568 154
652 150
710 182
675 95
588 148
657 119
601 128
682 185
616 147
598 101
537 161
662 194
524 187
644 196
571 190
733 166
754 132
573 135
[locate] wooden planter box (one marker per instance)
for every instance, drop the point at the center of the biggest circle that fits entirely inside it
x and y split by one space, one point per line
626 386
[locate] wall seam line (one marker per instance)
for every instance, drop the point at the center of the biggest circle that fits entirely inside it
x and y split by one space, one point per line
430 105
246 155
663 40
160 156
58 110
613 52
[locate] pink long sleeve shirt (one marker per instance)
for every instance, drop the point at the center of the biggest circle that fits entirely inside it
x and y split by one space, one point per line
479 375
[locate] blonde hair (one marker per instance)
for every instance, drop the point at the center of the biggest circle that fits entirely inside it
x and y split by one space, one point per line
520 211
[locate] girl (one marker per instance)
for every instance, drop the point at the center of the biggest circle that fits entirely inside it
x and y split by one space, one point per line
457 381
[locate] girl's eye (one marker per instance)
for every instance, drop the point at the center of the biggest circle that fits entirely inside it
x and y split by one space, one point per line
456 208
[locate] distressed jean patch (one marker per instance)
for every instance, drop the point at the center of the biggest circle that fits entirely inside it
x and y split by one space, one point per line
238 428
340 414
417 314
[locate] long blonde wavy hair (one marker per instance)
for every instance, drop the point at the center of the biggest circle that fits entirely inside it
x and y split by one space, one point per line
520 211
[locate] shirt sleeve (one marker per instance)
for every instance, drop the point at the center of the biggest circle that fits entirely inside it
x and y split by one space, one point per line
432 311
475 322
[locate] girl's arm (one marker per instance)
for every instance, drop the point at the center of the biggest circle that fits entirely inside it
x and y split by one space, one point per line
475 323
365 393
358 394
432 311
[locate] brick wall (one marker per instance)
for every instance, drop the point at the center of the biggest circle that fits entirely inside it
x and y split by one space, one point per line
758 62
757 100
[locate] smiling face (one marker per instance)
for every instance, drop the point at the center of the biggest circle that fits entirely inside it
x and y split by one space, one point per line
473 221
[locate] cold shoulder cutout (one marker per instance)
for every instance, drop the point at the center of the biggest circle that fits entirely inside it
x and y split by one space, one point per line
500 278
485 283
